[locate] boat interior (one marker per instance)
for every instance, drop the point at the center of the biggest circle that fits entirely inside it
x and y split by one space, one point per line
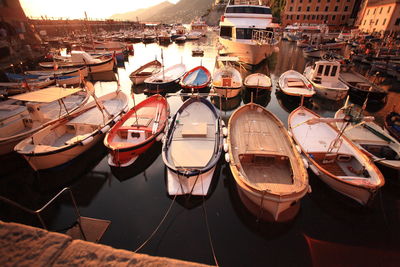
193 142
340 164
262 169
295 83
381 151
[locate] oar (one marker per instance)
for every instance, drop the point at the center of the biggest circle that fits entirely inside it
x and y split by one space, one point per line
156 121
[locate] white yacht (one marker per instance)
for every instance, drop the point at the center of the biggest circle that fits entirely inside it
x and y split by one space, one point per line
247 31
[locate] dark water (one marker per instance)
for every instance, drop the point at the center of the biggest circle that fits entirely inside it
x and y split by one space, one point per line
329 230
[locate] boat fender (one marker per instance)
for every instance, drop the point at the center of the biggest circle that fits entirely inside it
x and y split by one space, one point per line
87 140
309 189
223 123
314 169
225 131
290 133
298 149
117 118
160 137
227 158
105 129
305 162
225 145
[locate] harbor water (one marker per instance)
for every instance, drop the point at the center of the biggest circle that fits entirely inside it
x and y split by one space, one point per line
329 229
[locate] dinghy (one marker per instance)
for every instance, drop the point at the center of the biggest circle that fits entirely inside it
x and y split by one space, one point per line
137 131
293 83
82 59
66 139
333 157
197 79
376 143
138 76
226 80
60 72
27 113
160 82
392 124
192 148
269 172
324 76
258 83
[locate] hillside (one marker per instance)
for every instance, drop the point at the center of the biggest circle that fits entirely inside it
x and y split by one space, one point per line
184 11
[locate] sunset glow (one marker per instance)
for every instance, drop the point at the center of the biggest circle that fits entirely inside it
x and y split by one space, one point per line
76 8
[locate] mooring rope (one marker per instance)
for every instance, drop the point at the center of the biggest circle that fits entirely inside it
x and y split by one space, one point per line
209 232
158 226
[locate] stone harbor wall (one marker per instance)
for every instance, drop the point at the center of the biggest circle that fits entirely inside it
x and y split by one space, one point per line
22 245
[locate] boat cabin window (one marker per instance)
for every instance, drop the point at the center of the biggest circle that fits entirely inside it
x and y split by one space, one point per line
242 33
320 68
327 69
334 70
226 31
248 10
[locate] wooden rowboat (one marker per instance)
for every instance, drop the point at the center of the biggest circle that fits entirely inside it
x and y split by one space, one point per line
137 131
258 83
147 70
160 82
293 83
227 81
333 157
197 79
269 172
192 148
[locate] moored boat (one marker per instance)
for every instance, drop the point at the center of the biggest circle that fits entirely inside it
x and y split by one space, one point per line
258 83
137 131
333 157
197 79
167 77
324 76
376 143
293 83
143 72
269 172
41 108
392 124
66 139
192 148
226 80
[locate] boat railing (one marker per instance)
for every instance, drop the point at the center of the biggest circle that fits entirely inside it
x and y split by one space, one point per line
265 37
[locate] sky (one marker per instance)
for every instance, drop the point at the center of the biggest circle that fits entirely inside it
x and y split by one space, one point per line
76 8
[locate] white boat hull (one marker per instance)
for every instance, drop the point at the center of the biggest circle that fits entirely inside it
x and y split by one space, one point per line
329 93
227 93
250 53
360 194
197 185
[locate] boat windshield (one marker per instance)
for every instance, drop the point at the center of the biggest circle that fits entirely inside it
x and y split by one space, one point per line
248 10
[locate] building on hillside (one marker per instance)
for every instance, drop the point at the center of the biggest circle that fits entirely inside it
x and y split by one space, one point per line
334 13
381 16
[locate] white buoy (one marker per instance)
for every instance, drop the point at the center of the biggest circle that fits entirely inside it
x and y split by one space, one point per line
225 131
305 162
298 149
105 129
159 137
227 158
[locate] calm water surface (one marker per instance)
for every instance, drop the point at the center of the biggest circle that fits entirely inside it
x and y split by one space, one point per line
329 230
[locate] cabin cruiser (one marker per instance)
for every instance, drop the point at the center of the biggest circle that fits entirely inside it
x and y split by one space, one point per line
247 32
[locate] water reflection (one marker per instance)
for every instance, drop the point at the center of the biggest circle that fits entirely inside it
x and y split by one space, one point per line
261 97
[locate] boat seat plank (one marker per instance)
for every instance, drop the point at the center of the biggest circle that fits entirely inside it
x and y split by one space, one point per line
296 84
192 153
194 130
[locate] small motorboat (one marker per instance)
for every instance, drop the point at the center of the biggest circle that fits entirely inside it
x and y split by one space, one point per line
376 143
81 59
333 157
63 141
192 148
160 82
13 88
392 124
147 70
293 83
24 114
60 72
269 171
137 131
258 83
361 88
226 80
197 52
197 79
180 39
311 51
324 76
